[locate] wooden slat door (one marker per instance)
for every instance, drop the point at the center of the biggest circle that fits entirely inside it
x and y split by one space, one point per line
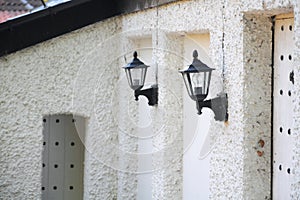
283 140
63 157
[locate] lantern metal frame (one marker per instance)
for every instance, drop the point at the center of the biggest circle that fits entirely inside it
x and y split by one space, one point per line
151 93
218 105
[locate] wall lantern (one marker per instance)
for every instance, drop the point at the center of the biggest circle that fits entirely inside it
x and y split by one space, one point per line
197 79
136 72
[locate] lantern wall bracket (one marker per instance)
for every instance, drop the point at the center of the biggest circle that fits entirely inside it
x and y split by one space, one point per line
150 92
218 105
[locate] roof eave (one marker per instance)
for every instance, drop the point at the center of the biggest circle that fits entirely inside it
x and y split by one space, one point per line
48 23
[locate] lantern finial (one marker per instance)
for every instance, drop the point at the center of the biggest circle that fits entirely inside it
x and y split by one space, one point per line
195 54
135 54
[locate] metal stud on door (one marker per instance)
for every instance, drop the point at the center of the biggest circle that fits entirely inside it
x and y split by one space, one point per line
282 118
63 156
45 161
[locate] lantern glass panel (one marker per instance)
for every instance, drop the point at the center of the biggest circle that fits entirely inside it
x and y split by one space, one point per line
136 77
187 82
197 84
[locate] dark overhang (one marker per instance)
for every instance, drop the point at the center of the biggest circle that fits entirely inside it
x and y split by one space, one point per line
48 23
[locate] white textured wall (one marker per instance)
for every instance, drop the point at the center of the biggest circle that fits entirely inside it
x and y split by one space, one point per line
257 108
196 137
296 165
68 74
43 80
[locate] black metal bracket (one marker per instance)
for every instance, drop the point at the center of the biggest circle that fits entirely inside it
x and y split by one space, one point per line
218 105
151 93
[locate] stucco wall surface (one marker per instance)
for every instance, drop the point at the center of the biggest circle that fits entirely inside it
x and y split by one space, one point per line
257 138
296 115
43 80
79 73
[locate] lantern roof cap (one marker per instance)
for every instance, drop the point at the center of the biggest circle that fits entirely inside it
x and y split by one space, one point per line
135 63
197 66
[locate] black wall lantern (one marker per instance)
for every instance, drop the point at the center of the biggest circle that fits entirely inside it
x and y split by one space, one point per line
136 72
197 79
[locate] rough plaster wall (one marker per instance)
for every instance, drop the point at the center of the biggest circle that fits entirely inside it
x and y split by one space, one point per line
128 143
243 120
168 144
260 128
134 28
95 79
226 177
296 94
258 107
235 145
39 81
